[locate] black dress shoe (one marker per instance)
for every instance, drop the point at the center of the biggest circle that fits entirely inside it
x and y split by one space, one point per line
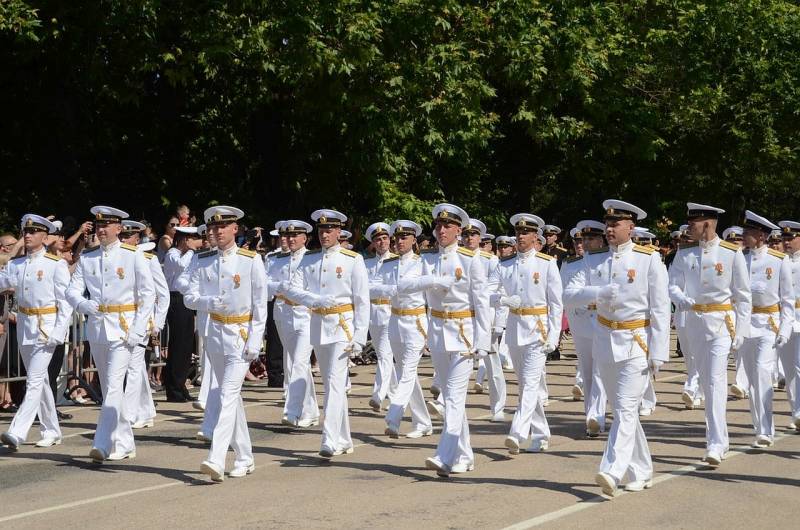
274 384
63 415
177 399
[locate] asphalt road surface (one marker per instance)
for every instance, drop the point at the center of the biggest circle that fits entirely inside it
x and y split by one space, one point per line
384 483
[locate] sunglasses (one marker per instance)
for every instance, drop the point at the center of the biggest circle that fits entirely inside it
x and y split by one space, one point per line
173 225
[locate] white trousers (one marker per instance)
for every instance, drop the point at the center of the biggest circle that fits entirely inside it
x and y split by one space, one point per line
301 398
627 456
454 371
529 419
114 432
758 357
208 380
230 429
594 395
692 384
285 330
408 392
790 355
741 373
385 377
649 399
332 359
492 366
38 397
711 356
138 399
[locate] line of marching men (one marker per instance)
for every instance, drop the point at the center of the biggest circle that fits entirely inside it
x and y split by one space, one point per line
458 302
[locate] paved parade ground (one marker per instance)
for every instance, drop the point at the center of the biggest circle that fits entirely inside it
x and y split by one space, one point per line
384 483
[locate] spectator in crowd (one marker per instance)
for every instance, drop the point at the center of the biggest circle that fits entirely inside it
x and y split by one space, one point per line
166 241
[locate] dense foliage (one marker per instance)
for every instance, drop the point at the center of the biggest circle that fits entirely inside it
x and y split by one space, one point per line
381 108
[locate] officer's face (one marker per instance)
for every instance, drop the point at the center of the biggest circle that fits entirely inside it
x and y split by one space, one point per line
618 231
131 239
592 242
526 239
212 239
699 225
578 245
405 243
791 243
381 243
107 233
505 250
295 241
486 246
34 239
776 245
447 233
472 240
752 238
550 239
328 237
224 234
284 242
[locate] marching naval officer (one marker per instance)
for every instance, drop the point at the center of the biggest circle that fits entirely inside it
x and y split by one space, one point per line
407 329
790 352
709 280
581 324
491 365
455 284
771 320
628 283
231 286
333 283
292 321
740 387
43 318
121 297
379 313
138 399
529 285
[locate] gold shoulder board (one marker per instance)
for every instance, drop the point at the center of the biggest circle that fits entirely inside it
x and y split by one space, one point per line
465 251
248 253
544 256
729 246
51 256
128 247
778 254
642 250
348 252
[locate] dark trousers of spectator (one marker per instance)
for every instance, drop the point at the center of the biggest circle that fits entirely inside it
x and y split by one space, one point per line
181 346
274 352
54 368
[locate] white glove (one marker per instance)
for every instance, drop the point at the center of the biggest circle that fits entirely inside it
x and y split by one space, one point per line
549 347
780 341
88 307
212 304
737 342
494 300
497 335
325 300
283 287
480 354
134 340
512 301
686 304
355 349
53 341
655 366
608 293
250 355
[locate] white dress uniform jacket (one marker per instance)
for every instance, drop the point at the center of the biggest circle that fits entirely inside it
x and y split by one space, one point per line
379 313
643 295
118 278
469 293
40 281
405 328
341 274
581 319
280 268
794 264
771 287
534 277
237 277
712 272
159 315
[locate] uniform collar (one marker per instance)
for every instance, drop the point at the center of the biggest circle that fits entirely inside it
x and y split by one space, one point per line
299 252
705 245
116 243
625 247
760 251
384 255
230 252
332 250
38 253
528 254
407 256
796 256
448 249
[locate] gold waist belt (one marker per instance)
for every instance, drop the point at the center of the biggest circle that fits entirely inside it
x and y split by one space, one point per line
627 324
52 310
117 308
767 309
416 311
528 311
710 308
285 300
231 319
335 310
592 307
380 301
797 304
447 315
